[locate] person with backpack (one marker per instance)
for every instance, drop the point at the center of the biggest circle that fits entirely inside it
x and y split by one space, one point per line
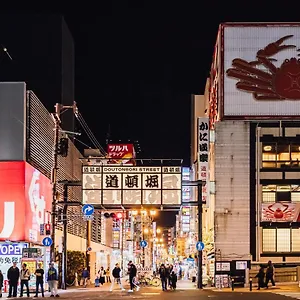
132 273
164 275
116 273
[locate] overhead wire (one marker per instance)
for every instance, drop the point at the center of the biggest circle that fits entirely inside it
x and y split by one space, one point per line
89 133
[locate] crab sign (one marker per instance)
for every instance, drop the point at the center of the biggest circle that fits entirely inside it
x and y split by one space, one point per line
284 213
272 83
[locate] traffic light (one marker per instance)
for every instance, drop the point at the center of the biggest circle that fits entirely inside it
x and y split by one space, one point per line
63 147
48 229
113 215
119 215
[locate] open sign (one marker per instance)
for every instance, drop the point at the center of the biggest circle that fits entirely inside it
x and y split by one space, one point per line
12 248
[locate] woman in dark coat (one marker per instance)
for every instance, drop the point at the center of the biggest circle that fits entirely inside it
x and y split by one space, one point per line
261 277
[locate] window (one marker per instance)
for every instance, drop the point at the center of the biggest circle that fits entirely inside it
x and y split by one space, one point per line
276 155
281 240
280 193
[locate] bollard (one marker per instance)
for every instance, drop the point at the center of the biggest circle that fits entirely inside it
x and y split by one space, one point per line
232 284
250 284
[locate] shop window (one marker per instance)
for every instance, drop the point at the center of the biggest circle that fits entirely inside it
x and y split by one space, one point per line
283 196
296 240
295 197
295 153
269 240
269 197
283 240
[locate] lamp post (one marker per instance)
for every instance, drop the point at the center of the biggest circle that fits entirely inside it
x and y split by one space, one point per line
198 184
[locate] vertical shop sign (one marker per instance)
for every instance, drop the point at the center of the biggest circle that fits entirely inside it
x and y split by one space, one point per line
203 154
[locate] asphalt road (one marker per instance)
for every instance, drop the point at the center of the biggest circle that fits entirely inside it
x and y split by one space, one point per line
148 293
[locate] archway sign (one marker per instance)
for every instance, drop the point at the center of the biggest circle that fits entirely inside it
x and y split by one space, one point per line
131 186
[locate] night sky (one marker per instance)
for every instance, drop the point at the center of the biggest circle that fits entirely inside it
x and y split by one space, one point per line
136 65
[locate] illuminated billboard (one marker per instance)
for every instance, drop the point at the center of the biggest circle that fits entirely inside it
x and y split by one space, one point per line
26 196
127 186
121 154
260 70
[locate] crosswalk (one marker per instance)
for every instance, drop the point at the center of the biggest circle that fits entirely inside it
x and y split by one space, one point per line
294 295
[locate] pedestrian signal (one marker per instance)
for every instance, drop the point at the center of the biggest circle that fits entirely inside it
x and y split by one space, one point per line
48 229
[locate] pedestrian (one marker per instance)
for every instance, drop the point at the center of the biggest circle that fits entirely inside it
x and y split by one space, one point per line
173 280
116 273
39 275
24 276
101 274
1 283
107 275
52 278
261 277
132 271
85 276
13 275
163 272
270 274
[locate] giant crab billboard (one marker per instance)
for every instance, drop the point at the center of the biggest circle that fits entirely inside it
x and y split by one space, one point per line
261 70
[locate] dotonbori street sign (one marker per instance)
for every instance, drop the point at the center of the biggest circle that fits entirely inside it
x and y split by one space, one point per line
131 185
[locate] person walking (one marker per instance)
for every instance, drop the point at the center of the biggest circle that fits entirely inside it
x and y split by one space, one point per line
116 273
24 276
261 277
1 283
270 274
39 276
85 276
132 271
163 272
52 278
107 275
13 275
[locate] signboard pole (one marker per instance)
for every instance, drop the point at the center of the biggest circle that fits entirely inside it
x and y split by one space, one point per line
65 233
200 210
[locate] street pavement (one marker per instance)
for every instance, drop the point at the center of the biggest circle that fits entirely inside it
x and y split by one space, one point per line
185 290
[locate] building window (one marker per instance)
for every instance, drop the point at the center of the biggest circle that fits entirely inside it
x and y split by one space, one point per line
280 193
276 155
281 240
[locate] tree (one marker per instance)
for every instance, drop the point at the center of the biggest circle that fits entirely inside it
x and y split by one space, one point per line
75 264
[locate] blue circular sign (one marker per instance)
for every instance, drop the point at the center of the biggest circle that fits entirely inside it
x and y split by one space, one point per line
88 209
47 241
143 244
200 246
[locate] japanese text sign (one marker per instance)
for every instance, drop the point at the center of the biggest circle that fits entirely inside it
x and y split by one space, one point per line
203 154
124 185
121 153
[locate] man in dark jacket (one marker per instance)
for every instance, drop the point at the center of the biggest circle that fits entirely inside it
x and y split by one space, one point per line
52 278
39 275
116 273
260 277
164 275
13 275
270 274
132 273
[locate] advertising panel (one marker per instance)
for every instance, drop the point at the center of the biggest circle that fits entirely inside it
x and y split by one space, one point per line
26 197
121 154
261 70
12 207
203 155
280 212
124 185
38 200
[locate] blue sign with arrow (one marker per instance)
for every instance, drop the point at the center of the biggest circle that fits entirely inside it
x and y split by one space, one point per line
47 241
88 209
143 244
200 246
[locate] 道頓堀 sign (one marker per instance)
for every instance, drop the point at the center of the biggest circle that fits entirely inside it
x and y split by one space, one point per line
130 185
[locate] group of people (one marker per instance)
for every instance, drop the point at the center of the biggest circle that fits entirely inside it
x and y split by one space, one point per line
168 277
264 277
14 275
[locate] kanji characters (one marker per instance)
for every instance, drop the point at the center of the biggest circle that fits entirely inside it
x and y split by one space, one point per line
151 181
131 181
112 181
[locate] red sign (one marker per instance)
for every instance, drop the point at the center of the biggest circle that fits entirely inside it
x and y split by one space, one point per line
121 153
26 197
280 212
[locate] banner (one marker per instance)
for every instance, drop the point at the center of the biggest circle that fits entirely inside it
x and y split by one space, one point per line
121 154
280 212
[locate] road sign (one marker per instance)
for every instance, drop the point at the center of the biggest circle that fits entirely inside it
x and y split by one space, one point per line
89 249
88 218
88 209
42 229
47 241
143 244
200 246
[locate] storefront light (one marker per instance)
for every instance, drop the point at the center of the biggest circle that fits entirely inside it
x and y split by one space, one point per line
267 148
134 212
152 212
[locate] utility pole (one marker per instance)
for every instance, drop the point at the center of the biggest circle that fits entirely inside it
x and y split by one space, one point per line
57 122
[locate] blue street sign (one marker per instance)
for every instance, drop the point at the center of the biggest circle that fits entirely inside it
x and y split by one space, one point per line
88 209
143 244
47 241
200 246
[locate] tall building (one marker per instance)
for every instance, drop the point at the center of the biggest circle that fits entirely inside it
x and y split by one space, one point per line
252 105
40 50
